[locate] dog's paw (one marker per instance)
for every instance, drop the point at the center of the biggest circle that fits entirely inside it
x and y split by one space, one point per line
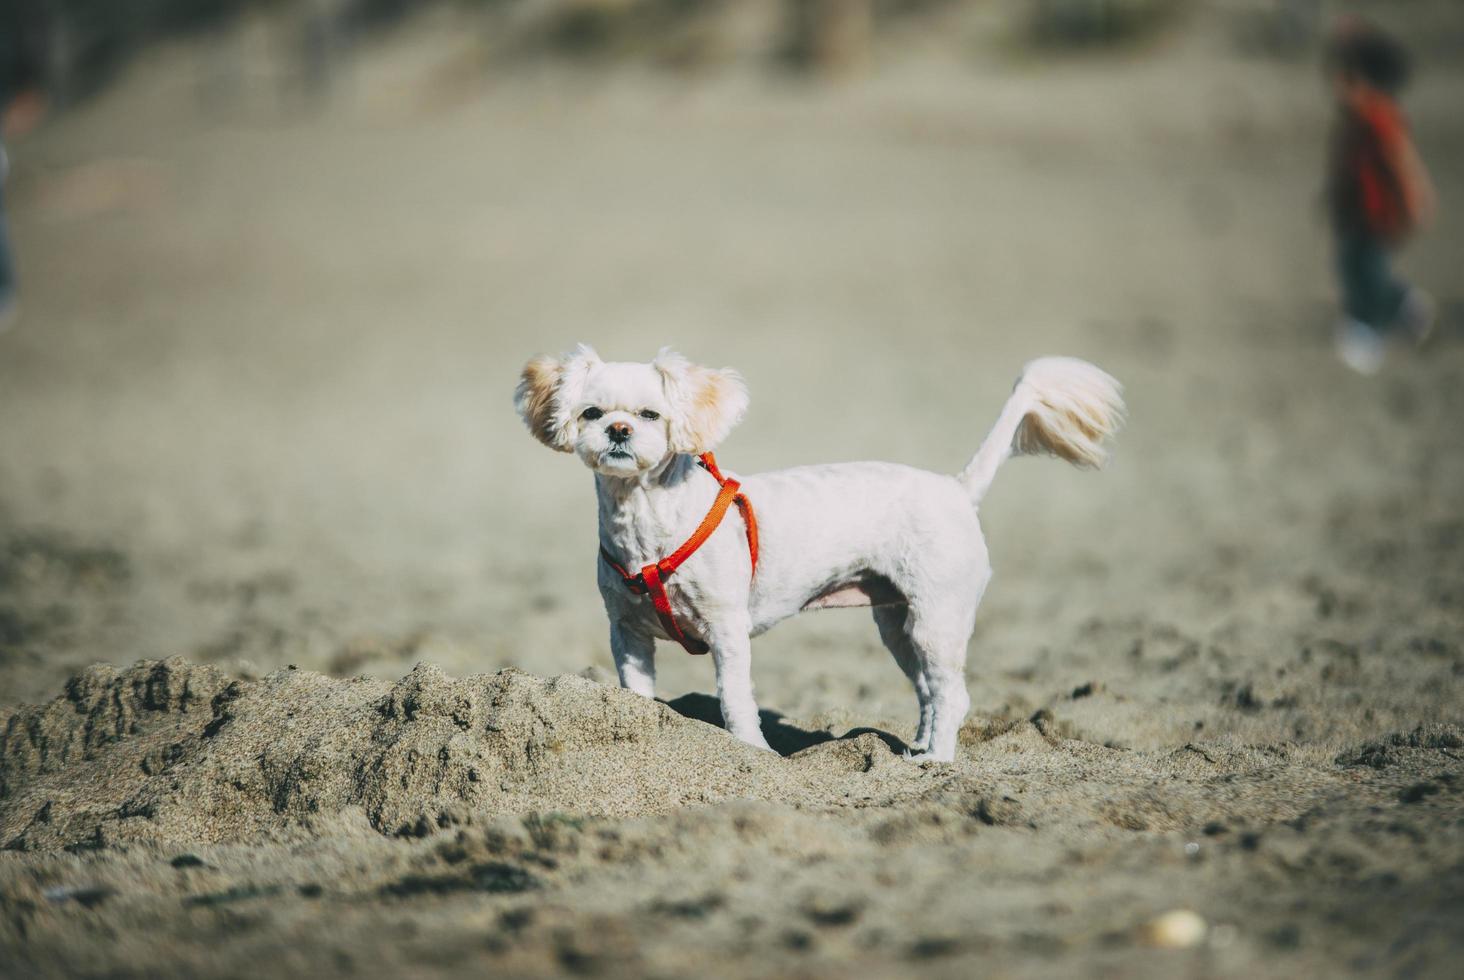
755 739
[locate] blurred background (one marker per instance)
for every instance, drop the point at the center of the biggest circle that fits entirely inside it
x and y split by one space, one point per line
279 263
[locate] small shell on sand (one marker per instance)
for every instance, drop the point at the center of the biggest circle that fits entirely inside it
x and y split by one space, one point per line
1175 929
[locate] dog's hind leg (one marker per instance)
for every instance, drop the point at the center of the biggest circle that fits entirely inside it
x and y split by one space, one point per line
939 636
891 623
635 659
949 702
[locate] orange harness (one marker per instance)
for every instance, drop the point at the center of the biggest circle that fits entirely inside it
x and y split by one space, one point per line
652 578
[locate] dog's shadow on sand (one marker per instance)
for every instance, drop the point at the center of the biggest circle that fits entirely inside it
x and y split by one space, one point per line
784 738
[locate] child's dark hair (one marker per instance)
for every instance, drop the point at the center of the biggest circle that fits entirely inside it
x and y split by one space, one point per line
1360 50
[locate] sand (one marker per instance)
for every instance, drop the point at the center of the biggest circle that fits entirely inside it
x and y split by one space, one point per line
302 669
538 825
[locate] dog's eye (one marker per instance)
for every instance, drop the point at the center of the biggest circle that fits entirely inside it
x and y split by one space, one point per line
591 413
649 415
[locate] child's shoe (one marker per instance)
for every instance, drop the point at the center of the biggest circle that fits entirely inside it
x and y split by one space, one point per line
1359 346
1418 315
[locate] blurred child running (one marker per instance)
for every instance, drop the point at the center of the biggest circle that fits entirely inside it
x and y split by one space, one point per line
24 45
1378 193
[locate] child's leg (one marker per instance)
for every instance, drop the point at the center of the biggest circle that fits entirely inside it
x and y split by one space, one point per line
1371 294
7 269
1392 292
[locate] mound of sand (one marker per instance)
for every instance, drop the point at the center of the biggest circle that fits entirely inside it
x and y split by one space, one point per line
171 751
168 751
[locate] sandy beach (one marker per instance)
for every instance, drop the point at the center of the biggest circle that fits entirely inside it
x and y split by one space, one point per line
303 670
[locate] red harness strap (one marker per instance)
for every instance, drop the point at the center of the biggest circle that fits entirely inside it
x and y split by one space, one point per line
652 578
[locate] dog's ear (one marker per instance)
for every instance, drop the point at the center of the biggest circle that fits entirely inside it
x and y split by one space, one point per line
706 403
548 391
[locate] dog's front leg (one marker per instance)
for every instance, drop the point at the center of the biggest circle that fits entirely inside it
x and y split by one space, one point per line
732 652
635 659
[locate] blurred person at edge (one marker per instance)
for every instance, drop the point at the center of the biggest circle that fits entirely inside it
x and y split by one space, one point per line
22 104
1378 193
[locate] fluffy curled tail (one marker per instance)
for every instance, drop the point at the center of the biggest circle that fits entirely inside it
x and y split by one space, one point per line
1062 407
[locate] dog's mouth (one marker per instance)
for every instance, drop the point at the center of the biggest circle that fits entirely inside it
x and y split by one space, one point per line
619 460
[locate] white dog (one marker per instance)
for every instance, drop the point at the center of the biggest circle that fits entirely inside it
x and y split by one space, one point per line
902 540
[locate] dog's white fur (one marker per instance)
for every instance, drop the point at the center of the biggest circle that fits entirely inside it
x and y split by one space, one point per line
903 540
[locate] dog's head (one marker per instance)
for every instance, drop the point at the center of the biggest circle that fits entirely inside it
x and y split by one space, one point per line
623 419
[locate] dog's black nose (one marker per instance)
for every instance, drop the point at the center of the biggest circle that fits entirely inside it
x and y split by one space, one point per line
618 431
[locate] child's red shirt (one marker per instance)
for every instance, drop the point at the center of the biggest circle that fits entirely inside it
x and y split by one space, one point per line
1365 191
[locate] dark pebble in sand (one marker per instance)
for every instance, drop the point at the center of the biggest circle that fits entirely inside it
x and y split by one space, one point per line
517 919
1285 937
493 877
931 947
694 908
87 896
243 893
832 912
1418 791
187 861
